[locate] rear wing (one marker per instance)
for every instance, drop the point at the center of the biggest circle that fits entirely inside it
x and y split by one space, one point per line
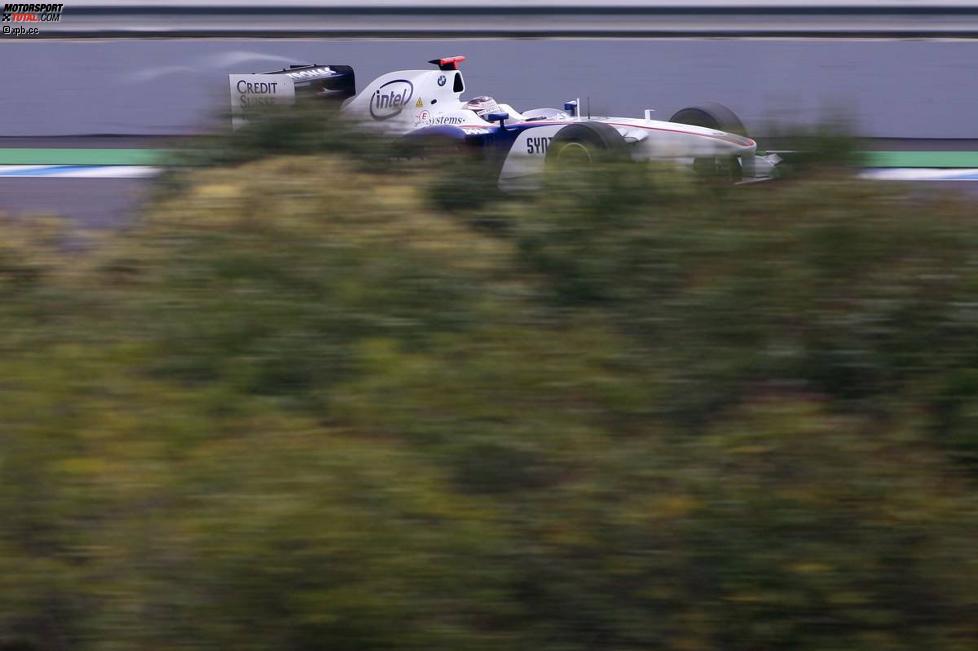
303 82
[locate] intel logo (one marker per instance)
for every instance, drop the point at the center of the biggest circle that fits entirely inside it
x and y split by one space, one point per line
390 99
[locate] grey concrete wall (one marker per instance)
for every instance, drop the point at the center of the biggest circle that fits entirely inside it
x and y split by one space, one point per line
517 18
890 88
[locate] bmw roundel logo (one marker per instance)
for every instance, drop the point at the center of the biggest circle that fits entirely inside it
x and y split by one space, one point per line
441 80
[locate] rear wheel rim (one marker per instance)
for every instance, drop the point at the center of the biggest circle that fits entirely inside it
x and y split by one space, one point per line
574 153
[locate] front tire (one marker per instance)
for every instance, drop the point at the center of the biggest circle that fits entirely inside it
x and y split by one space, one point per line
714 116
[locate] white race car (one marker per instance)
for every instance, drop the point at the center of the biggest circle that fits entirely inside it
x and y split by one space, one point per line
428 105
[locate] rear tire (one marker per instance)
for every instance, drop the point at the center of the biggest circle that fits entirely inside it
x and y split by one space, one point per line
585 143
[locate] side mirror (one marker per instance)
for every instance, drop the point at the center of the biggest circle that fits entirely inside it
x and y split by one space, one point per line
498 116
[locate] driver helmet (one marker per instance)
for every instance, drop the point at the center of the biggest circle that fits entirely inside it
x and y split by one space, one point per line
482 106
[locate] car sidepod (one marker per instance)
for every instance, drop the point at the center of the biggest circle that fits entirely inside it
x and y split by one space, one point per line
526 156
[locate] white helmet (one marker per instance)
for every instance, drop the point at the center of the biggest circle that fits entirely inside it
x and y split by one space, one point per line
482 106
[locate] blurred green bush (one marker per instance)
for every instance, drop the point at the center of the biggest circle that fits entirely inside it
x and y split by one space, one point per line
297 407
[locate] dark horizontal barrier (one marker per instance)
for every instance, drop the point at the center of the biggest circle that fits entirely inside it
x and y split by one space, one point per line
530 19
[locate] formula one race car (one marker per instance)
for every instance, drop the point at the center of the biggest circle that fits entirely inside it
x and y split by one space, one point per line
426 106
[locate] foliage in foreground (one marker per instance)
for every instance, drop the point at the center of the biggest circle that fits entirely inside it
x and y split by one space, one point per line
283 413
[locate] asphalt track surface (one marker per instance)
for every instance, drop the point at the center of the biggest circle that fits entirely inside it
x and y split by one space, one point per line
903 88
116 202
87 203
892 89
